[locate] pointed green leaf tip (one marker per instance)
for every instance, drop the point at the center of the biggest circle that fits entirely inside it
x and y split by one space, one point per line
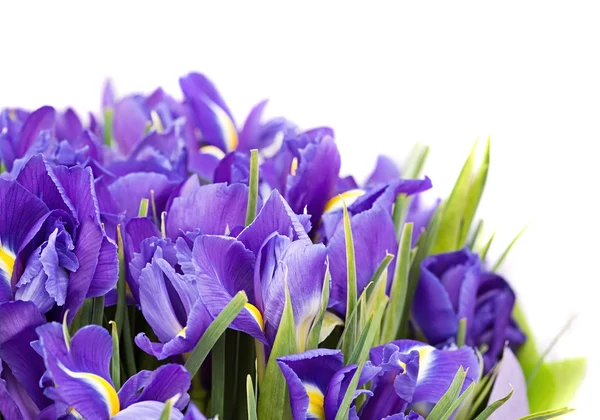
143 210
351 298
166 413
461 205
108 127
115 361
214 331
253 192
273 389
250 401
445 406
490 409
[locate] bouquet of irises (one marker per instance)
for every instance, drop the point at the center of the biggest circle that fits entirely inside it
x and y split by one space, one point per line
160 261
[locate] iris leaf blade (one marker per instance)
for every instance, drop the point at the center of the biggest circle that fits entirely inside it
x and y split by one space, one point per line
490 409
253 184
399 290
344 409
273 389
214 331
452 393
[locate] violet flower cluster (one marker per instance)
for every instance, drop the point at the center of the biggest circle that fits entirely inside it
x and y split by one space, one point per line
127 237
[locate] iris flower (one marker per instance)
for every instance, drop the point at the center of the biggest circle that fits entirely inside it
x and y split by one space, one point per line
79 382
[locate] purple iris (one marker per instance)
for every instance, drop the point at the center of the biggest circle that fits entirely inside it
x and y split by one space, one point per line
317 382
21 368
373 230
413 374
214 132
169 301
403 374
53 249
78 379
305 171
455 286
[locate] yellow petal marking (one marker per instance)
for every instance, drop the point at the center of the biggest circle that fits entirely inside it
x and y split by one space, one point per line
101 385
7 260
294 166
349 197
255 313
316 401
182 332
226 124
212 150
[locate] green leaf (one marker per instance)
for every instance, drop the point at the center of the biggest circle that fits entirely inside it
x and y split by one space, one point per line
97 310
507 250
399 213
459 401
545 353
273 389
127 340
65 329
121 284
330 321
351 299
399 291
475 235
217 395
451 223
556 384
486 247
416 161
253 192
461 335
367 336
548 414
108 127
214 331
482 390
250 399
2 167
424 246
166 413
115 361
490 409
143 210
379 280
314 337
440 410
474 195
344 409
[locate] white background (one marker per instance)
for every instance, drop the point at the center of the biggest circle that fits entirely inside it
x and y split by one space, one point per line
384 76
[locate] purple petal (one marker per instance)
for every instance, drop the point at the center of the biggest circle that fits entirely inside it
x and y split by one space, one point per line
160 385
14 401
223 267
385 171
87 251
146 410
77 185
218 208
250 132
302 266
129 123
17 331
315 179
211 115
313 370
129 190
68 126
41 119
374 236
275 216
107 269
